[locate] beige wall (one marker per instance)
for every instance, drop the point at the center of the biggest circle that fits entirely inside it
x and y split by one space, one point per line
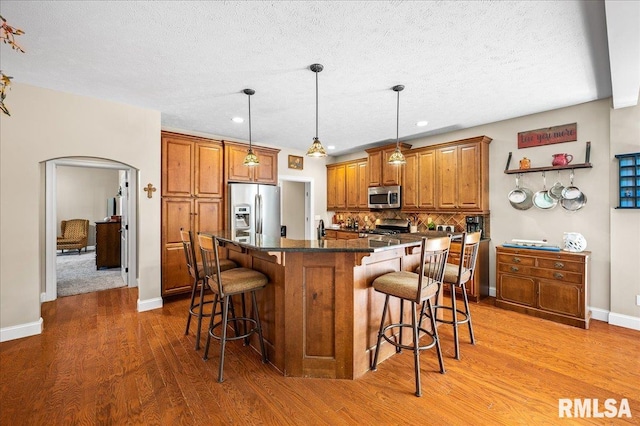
47 124
82 193
613 285
624 224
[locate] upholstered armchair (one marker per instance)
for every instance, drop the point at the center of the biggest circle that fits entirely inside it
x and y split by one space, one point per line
75 233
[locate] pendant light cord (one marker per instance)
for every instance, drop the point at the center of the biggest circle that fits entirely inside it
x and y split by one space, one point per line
398 122
249 121
317 104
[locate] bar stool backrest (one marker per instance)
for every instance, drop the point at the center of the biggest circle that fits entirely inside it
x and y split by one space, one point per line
211 262
434 253
468 255
190 253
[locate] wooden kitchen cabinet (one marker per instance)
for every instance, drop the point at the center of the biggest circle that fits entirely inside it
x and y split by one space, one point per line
357 178
381 173
335 234
419 180
266 172
108 244
336 186
192 199
549 285
463 175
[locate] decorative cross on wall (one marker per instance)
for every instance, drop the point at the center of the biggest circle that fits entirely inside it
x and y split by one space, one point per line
149 189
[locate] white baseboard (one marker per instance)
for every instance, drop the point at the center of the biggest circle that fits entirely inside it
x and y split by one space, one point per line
599 314
20 331
625 321
149 304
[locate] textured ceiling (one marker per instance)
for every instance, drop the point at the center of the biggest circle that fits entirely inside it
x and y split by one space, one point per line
462 63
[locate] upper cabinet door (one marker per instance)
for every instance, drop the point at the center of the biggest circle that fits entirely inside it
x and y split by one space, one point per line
469 184
410 182
177 164
427 179
267 170
208 170
390 172
352 185
447 160
234 161
363 185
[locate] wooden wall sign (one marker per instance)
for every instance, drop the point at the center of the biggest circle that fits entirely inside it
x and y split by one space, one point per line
548 136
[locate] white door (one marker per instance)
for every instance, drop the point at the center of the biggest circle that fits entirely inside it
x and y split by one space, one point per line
124 224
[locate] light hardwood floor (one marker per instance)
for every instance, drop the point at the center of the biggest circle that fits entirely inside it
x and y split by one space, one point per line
98 361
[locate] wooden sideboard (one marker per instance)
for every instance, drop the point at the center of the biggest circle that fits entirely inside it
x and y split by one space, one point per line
107 245
545 284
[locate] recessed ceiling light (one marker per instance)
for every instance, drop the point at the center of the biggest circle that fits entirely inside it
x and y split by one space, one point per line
422 123
331 147
237 120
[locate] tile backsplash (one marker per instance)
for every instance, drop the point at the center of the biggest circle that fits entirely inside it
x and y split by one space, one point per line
419 219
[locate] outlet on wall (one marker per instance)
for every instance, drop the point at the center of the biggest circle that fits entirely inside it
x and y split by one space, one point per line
638 300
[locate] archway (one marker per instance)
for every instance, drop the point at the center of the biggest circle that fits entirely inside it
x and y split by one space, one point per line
129 225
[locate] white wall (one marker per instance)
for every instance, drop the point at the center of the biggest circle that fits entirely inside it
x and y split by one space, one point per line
293 209
82 193
624 224
46 124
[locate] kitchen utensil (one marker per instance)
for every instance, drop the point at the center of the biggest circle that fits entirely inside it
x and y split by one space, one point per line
571 192
561 159
556 190
520 198
574 204
541 199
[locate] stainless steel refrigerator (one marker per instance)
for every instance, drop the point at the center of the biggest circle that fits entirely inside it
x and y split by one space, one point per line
254 208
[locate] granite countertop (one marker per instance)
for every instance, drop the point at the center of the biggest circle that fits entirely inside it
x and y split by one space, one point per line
369 244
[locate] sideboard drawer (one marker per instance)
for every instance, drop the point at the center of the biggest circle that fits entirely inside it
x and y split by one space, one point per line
517 259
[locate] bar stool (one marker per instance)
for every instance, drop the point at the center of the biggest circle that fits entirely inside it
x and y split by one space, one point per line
196 272
225 284
456 276
416 288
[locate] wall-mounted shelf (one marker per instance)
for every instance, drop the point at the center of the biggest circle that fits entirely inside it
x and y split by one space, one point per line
585 165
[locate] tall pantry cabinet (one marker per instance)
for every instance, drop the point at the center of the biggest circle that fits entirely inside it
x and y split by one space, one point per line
192 198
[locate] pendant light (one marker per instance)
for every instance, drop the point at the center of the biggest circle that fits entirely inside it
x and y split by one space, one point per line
251 159
316 149
397 157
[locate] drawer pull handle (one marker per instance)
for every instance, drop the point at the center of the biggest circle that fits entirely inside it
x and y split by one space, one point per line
558 276
559 265
514 269
516 260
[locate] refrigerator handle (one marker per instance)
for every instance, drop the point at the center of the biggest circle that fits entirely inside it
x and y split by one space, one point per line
258 214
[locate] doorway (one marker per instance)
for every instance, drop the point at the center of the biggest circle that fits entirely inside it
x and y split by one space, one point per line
297 206
128 177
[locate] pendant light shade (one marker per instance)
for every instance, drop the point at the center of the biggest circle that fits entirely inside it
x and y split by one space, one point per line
251 159
316 149
397 157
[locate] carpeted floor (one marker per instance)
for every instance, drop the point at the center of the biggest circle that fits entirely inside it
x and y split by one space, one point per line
77 274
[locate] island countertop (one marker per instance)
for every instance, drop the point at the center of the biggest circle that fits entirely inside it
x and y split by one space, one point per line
368 244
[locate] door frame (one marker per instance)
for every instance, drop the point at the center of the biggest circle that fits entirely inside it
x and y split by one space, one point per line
129 205
309 229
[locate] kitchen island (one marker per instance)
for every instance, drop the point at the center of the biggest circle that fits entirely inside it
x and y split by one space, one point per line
320 313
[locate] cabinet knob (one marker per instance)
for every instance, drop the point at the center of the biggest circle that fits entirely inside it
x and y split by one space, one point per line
514 269
559 265
516 260
558 276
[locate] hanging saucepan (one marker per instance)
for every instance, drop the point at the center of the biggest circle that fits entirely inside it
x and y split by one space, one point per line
541 199
574 204
555 191
520 198
571 192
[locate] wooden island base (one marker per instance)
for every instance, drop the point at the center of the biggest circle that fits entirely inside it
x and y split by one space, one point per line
319 312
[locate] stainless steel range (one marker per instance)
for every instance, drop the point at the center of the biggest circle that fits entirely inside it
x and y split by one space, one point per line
390 227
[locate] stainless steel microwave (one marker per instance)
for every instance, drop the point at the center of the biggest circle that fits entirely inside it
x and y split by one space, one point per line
384 197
